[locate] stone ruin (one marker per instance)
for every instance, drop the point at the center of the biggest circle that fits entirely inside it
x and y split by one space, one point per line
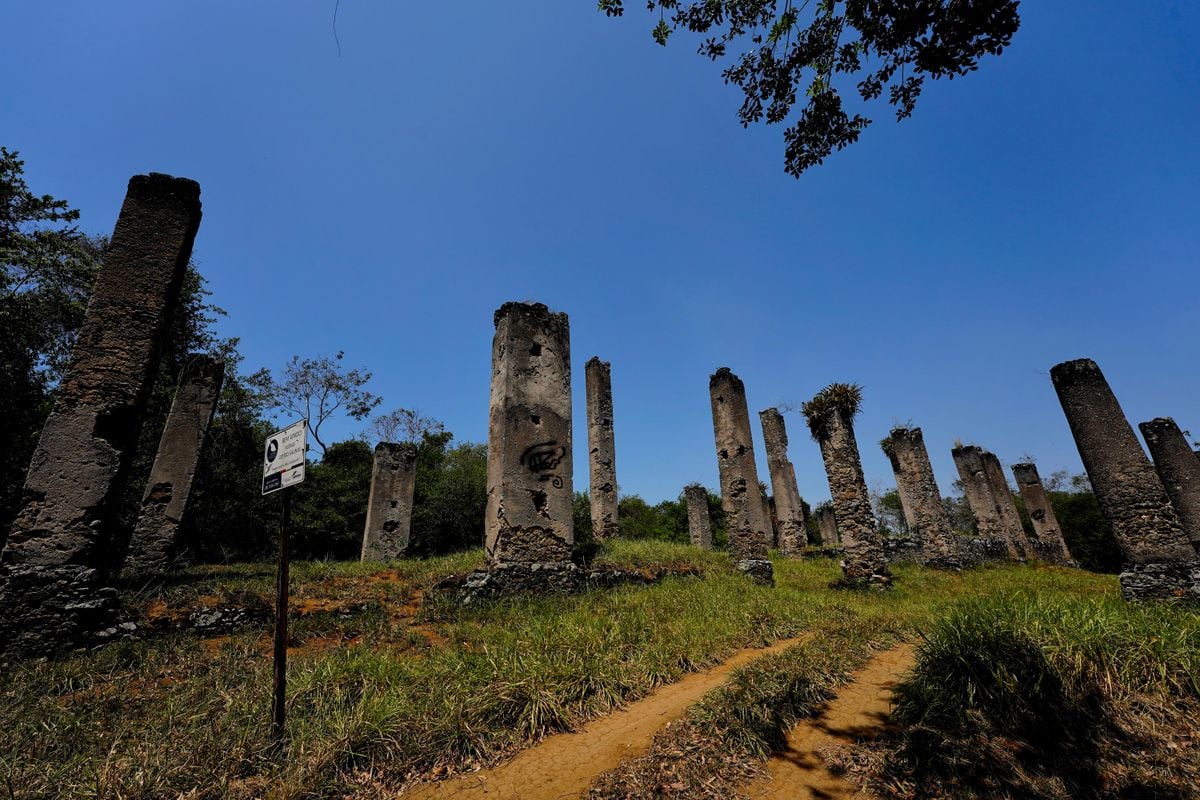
830 416
1179 469
699 524
1159 560
55 568
1047 542
987 499
827 525
922 499
154 545
602 458
789 508
387 531
745 512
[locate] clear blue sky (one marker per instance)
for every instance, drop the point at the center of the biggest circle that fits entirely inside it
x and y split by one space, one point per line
455 157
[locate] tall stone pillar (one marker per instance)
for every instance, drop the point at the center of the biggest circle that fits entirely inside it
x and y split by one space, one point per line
927 517
1006 505
529 500
981 497
52 571
1050 543
1160 562
699 524
827 525
602 458
1179 470
389 506
830 418
789 509
741 497
154 547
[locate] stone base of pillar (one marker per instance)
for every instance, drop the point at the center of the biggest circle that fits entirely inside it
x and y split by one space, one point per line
900 549
978 550
1046 552
1174 581
759 569
45 609
549 578
860 576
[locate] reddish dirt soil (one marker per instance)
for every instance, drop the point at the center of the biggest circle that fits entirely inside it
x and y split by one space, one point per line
562 766
859 712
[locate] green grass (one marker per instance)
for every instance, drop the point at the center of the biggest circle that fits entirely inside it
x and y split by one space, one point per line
394 696
1036 695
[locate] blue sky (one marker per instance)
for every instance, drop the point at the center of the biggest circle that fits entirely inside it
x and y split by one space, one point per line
386 201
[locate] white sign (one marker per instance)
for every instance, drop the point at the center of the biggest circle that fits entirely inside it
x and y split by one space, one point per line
283 457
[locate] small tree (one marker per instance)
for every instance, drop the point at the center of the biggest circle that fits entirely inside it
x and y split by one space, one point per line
402 426
317 388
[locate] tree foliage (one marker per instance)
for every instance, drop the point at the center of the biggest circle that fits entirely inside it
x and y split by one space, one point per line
781 50
317 388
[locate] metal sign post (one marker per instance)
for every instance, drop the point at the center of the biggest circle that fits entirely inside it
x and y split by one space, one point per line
283 467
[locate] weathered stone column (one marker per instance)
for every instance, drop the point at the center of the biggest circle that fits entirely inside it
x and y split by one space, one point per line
1160 562
741 497
830 417
788 507
602 458
154 547
915 481
1050 544
1006 505
977 487
529 439
52 571
389 506
827 524
1179 469
699 524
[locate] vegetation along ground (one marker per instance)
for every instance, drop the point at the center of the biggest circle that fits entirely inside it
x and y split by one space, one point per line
390 685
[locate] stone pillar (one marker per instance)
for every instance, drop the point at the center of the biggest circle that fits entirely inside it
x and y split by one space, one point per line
602 457
788 507
1051 545
741 497
389 507
1160 562
927 517
154 547
1179 470
864 562
529 500
52 571
981 497
699 525
1006 505
827 524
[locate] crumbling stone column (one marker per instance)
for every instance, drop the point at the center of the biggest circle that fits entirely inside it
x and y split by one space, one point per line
789 509
1005 503
915 481
154 547
981 497
741 497
1050 544
530 497
1160 562
830 417
1179 469
602 458
389 506
52 572
827 525
699 524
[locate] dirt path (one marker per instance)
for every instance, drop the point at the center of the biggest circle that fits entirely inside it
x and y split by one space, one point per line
858 712
562 766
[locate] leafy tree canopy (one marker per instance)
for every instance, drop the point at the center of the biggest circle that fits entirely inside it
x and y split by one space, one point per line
782 48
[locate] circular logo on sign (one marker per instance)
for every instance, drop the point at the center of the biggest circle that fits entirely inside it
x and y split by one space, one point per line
272 450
